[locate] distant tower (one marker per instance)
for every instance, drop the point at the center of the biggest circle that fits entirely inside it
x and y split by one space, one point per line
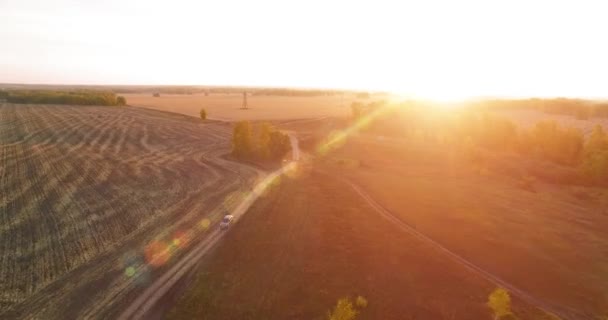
244 100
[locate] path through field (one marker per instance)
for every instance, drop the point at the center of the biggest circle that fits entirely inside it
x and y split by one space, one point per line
96 201
561 311
140 308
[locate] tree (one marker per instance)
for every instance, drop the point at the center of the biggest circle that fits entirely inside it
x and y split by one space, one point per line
241 140
343 310
595 166
595 159
597 140
559 145
279 145
121 101
500 303
263 142
203 114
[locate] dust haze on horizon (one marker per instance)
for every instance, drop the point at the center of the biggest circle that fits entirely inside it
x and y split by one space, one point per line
433 49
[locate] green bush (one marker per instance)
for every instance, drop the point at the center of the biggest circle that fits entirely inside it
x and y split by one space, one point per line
203 114
121 101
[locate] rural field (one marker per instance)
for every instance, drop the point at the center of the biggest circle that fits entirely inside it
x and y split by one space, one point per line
549 241
545 243
99 204
323 241
94 201
228 106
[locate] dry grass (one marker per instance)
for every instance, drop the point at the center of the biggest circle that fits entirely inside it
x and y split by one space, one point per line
228 106
313 241
551 243
84 189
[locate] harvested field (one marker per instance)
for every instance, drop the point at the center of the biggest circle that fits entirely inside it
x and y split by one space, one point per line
84 190
228 106
313 240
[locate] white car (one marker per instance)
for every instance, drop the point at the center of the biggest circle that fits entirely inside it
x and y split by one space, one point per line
226 222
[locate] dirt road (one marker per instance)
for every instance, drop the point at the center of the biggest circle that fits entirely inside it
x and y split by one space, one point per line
140 308
560 311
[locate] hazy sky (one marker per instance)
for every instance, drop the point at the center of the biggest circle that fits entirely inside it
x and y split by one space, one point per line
437 49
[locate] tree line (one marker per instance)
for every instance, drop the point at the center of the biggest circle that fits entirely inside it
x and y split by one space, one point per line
579 108
472 129
81 97
263 142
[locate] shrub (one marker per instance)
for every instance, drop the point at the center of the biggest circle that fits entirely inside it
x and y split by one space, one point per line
156 94
121 101
500 303
203 114
343 311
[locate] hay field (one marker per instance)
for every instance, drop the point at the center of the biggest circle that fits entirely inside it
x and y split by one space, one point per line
85 190
228 106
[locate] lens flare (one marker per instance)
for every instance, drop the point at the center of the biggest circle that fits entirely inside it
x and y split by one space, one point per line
204 224
130 271
337 139
157 253
181 239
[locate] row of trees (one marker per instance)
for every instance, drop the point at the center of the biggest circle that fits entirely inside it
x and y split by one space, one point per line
264 142
82 97
474 128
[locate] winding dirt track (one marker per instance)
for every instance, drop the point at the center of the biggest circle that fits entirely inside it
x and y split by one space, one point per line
85 190
560 311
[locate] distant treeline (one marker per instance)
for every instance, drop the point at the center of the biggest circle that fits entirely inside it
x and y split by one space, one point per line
473 130
295 92
581 109
82 97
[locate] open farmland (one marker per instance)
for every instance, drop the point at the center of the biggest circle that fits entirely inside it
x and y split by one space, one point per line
94 201
228 106
548 240
323 242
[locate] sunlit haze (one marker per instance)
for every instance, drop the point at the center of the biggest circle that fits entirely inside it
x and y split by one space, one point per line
435 49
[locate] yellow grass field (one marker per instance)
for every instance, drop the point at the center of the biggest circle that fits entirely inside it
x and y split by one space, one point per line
228 106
